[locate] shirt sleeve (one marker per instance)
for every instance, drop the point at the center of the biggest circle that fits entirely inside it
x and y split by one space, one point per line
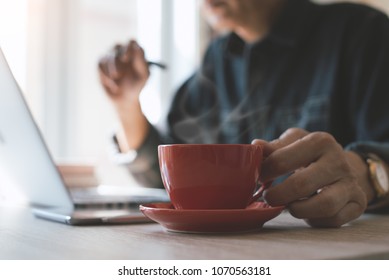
142 163
369 85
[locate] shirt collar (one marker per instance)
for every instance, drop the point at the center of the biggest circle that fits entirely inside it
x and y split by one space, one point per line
287 29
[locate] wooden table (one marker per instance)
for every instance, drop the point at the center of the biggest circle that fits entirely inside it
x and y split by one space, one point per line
22 236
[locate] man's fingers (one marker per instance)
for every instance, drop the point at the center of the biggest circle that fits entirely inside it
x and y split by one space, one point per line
326 203
127 51
109 85
267 149
289 136
349 212
298 154
140 63
306 182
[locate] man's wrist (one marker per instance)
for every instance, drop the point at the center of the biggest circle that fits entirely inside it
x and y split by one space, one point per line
362 174
377 171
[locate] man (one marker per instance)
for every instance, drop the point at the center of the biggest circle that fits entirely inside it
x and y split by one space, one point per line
313 74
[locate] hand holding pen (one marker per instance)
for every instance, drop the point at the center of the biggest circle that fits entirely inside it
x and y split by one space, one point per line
125 70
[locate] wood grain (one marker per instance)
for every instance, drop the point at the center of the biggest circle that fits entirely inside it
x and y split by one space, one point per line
22 236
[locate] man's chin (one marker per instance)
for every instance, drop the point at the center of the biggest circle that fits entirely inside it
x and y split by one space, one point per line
218 25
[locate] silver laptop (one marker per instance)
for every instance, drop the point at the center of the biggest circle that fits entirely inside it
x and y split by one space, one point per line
25 159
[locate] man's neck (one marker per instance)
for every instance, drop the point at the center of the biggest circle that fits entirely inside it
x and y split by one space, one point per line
256 27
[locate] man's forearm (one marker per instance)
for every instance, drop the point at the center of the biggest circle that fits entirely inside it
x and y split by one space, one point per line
134 127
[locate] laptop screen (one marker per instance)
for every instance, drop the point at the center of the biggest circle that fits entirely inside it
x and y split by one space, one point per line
23 153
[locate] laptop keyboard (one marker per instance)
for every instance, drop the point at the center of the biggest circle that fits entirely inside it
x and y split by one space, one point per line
115 197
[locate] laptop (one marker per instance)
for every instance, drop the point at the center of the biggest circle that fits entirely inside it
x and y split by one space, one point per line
26 161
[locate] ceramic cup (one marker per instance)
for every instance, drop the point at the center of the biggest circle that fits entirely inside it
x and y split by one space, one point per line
210 176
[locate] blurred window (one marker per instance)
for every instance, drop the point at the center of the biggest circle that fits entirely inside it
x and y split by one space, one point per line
54 46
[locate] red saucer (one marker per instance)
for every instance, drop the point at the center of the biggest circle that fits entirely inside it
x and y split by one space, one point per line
211 221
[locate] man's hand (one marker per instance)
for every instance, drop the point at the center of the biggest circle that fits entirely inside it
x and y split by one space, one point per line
326 186
123 73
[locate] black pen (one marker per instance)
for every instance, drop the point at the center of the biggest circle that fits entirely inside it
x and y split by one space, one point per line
158 64
119 52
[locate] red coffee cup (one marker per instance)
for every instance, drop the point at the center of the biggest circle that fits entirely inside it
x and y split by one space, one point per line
211 176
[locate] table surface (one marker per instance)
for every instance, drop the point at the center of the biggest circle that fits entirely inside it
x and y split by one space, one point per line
22 236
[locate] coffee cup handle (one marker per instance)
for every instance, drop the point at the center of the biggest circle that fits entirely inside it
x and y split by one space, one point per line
258 194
